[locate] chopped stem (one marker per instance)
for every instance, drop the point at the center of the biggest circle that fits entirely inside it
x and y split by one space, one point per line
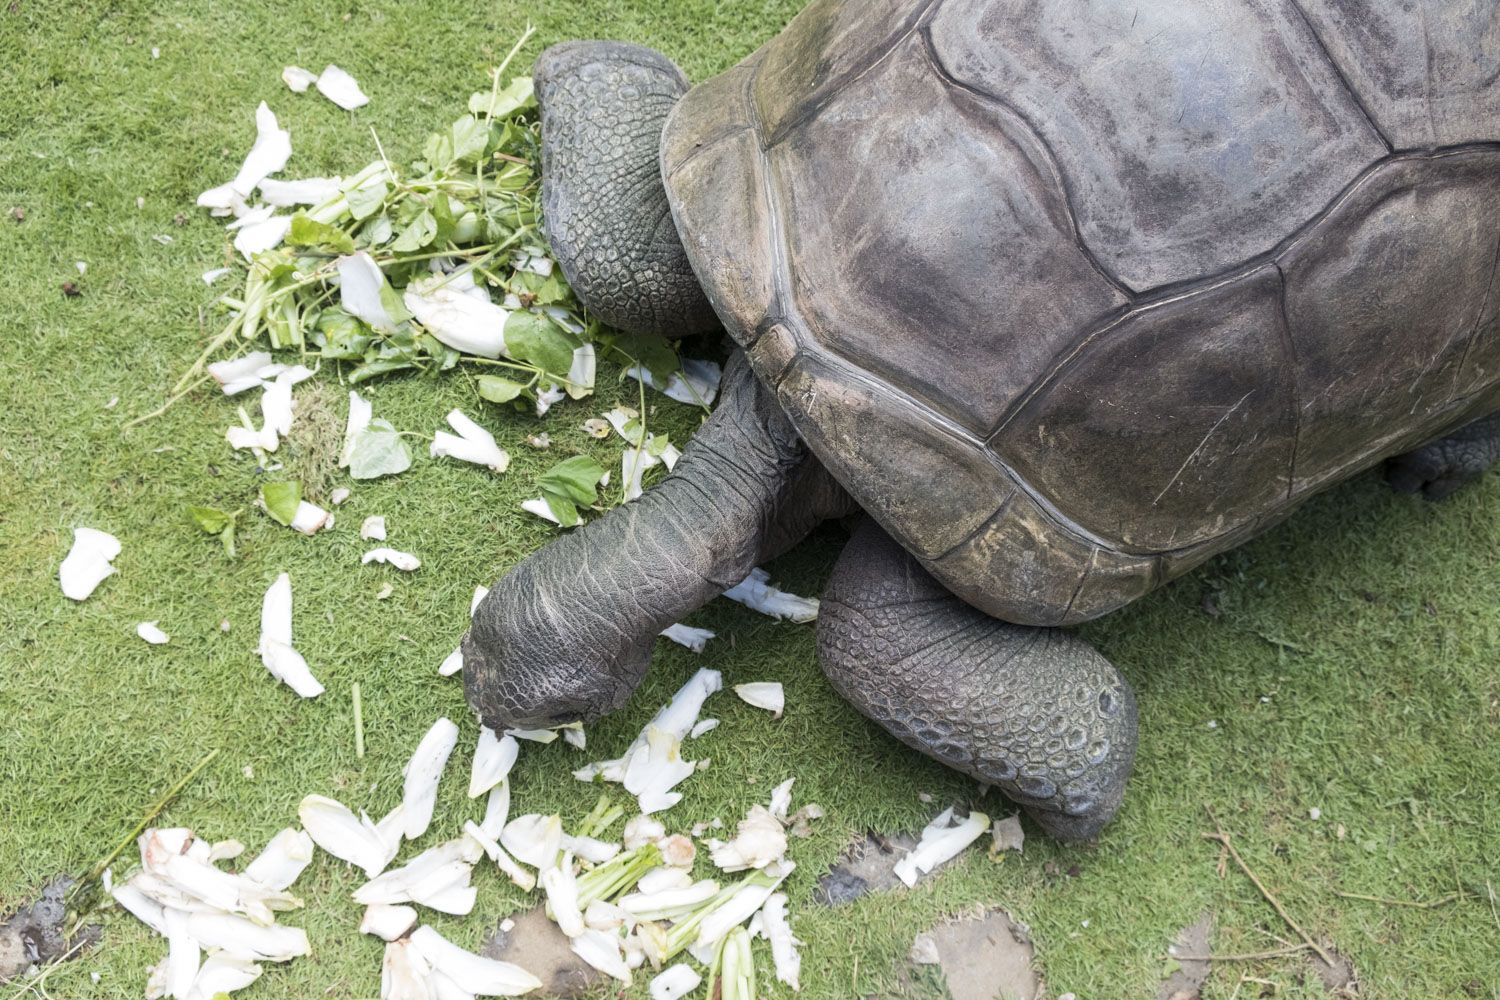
359 722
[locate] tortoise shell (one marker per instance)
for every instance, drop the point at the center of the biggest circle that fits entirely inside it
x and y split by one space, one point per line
1074 295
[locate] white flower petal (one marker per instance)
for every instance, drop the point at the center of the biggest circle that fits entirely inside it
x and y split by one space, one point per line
282 861
590 849
211 276
542 509
432 879
695 639
456 317
740 907
759 841
480 976
543 736
480 593
310 518
182 955
756 593
641 830
87 562
373 528
298 79
561 888
697 384
422 774
262 236
473 444
669 904
360 413
768 695
942 840
405 974
778 931
493 759
360 284
340 88
548 398
781 799
663 878
496 811
601 950
404 561
452 663
223 973
245 939
675 983
581 374
276 651
145 909
702 726
533 839
386 921
308 191
223 200
240 369
152 633
349 838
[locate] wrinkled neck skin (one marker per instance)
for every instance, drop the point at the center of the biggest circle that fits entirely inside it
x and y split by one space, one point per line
566 636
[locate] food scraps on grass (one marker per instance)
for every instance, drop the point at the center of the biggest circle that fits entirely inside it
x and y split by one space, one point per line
87 563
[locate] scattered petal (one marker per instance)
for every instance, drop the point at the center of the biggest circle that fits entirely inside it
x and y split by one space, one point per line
387 921
781 799
298 79
942 840
223 200
282 861
221 974
463 321
756 593
759 841
473 444
404 973
360 413
246 939
422 774
356 840
261 236
373 529
493 759
273 147
778 931
437 878
152 634
601 950
310 519
642 830
768 695
695 639
340 88
339 495
404 561
533 839
452 663
702 726
561 887
276 651
209 277
87 563
675 983
697 384
477 975
308 191
361 284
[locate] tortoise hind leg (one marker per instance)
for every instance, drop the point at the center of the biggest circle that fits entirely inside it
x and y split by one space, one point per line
604 206
1439 468
1034 711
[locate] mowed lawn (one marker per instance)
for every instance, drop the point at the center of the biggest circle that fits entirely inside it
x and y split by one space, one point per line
1347 663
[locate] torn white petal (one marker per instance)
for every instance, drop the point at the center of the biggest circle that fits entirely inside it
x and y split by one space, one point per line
534 839
404 973
601 950
496 811
223 200
662 879
360 286
246 939
152 633
642 830
339 495
310 518
182 955
542 509
669 904
221 974
702 726
387 921
373 528
756 593
459 319
697 384
471 972
338 831
778 931
590 849
581 374
240 369
493 758
259 237
87 562
225 850
473 444
675 983
145 909
548 398
308 191
561 887
759 841
574 736
276 402
741 906
340 88
437 878
768 695
298 79
695 639
282 861
942 840
542 736
452 663
781 799
404 561
422 774
276 651
209 277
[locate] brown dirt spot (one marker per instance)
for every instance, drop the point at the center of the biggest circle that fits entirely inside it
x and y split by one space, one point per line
1187 982
536 944
983 956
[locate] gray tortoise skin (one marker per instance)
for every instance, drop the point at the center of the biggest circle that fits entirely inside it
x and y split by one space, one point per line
1066 297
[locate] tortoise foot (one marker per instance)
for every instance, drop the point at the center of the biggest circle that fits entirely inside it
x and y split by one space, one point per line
1034 711
1437 470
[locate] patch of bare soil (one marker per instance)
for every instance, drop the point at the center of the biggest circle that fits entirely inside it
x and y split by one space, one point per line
867 866
1187 982
986 956
35 935
1339 979
537 944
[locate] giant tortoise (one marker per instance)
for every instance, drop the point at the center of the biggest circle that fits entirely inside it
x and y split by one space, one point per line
1066 296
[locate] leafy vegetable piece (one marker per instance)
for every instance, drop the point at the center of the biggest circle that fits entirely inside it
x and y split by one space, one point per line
569 485
499 390
378 450
308 232
216 522
518 95
417 233
537 340
470 137
282 500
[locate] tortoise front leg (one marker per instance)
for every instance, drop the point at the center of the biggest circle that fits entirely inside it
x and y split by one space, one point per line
1439 468
1034 711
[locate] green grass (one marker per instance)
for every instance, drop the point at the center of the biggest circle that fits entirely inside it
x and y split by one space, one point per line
1352 669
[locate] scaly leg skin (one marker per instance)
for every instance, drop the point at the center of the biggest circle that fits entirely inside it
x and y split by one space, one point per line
1438 469
566 636
604 206
1034 711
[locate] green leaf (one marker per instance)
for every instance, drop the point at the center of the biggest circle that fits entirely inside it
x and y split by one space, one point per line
575 480
537 340
366 200
470 136
563 509
438 152
211 519
306 232
344 337
375 369
281 500
378 451
651 350
499 390
518 95
418 233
